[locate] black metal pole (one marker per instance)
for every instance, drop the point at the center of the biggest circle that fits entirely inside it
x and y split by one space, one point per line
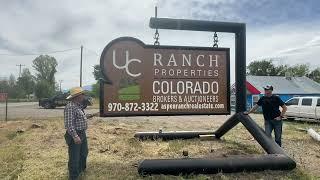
81 67
229 124
210 166
195 25
240 68
101 93
267 143
171 135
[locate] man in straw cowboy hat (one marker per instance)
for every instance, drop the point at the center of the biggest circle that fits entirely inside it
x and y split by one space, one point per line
75 122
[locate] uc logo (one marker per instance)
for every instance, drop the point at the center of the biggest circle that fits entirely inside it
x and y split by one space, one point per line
126 65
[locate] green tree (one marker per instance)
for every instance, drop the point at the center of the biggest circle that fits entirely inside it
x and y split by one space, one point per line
4 85
267 68
46 68
281 70
44 89
12 80
26 82
97 73
262 68
14 91
315 75
299 70
96 89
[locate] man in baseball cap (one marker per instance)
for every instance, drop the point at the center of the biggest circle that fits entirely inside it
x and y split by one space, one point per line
272 115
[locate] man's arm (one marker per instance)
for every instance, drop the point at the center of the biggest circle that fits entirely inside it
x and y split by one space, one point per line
284 110
253 109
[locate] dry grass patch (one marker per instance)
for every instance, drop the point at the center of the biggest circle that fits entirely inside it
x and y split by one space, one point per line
41 153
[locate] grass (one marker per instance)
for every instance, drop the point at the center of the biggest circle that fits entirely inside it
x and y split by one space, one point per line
41 153
128 97
11 161
130 90
129 93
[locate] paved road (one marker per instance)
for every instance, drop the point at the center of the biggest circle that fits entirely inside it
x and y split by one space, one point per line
16 104
33 111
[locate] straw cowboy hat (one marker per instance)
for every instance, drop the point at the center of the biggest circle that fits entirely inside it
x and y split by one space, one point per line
74 92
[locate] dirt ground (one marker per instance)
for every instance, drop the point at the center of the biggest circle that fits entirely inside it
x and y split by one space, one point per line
41 153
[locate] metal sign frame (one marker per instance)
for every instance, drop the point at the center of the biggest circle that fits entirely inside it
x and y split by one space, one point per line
276 159
239 29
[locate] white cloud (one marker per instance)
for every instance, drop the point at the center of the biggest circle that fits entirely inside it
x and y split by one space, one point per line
39 26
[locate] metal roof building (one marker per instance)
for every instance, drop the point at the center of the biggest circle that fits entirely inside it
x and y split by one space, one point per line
285 87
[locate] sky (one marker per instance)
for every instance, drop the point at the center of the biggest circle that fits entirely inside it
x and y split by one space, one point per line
285 30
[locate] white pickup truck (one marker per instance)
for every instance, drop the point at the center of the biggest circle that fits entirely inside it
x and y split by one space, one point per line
303 107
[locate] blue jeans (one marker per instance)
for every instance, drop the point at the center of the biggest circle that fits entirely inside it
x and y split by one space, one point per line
77 154
275 125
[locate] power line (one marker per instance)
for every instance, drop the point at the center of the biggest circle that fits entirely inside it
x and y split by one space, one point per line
33 54
91 51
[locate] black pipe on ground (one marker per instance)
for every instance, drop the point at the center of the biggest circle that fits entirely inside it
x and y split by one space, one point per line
206 166
275 160
267 143
171 135
229 124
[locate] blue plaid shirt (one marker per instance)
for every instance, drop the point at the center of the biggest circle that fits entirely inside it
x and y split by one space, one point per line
74 118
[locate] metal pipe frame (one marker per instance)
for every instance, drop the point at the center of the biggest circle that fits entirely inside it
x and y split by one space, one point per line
217 165
171 135
276 159
239 29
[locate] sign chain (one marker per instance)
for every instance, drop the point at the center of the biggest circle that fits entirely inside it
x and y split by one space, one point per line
215 40
156 34
156 37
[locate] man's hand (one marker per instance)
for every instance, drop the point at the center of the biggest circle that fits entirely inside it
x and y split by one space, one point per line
89 116
253 109
278 118
77 140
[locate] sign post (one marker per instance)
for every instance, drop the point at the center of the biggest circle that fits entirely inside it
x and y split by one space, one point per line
164 80
4 97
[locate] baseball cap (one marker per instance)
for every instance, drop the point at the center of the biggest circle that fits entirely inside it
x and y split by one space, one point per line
268 87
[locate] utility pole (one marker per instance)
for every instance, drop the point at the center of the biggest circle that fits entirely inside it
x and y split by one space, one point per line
81 67
60 82
20 65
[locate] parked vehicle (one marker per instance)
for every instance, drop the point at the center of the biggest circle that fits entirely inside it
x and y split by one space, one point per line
303 107
60 100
